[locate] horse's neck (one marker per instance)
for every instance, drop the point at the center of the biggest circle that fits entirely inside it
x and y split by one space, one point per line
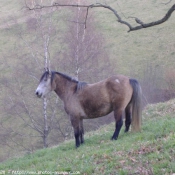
64 87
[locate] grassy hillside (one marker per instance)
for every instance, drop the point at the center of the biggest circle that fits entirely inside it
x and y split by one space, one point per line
148 52
149 152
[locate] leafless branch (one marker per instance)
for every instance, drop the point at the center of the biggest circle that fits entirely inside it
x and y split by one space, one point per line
140 25
167 2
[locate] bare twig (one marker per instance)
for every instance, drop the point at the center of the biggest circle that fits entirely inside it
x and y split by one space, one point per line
119 19
167 2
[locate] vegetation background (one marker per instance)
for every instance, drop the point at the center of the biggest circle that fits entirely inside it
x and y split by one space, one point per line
29 38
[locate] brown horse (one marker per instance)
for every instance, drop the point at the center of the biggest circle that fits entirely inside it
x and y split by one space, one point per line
86 101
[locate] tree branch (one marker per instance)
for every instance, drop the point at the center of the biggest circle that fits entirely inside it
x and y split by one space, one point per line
119 19
167 2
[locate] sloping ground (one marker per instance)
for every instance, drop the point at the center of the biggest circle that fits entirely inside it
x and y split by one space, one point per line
151 49
148 152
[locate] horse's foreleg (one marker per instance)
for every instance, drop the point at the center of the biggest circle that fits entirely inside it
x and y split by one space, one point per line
75 124
81 132
118 125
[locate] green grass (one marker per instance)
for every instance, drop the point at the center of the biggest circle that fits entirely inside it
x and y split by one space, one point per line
149 152
152 46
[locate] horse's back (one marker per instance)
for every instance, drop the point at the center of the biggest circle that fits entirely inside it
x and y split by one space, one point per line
120 90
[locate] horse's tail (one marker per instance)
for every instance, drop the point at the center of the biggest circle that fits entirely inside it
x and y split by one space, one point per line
136 105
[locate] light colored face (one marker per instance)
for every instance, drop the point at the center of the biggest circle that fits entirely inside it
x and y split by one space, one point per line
44 86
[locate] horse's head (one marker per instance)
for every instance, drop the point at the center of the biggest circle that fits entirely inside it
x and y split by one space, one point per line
45 85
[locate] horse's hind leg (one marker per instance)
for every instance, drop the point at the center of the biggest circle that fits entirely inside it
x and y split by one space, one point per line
81 132
118 124
127 118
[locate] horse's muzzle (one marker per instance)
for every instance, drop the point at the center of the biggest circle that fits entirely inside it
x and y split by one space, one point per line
39 95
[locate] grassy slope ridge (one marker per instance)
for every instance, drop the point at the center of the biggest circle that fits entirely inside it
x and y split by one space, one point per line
149 152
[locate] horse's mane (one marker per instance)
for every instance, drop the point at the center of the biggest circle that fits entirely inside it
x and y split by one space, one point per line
80 84
66 77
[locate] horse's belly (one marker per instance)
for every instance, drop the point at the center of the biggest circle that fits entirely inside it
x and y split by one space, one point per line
95 111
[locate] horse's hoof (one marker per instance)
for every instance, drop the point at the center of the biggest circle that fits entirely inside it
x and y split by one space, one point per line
77 146
112 138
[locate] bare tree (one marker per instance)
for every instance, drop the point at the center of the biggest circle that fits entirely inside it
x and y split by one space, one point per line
85 57
47 33
85 49
27 123
140 23
45 29
170 80
156 87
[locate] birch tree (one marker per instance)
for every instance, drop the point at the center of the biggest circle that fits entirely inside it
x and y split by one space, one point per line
85 57
26 122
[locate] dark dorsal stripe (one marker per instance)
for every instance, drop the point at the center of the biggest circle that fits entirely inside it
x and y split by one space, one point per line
80 85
